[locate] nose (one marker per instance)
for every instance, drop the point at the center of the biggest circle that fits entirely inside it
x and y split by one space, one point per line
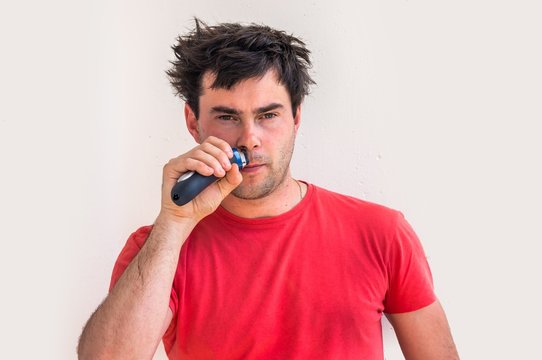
248 139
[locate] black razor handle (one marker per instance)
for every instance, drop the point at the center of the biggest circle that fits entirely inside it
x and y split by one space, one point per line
192 183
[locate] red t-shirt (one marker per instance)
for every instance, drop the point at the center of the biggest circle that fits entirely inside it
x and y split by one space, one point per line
311 283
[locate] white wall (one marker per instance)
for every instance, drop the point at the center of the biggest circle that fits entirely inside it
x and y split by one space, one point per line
430 107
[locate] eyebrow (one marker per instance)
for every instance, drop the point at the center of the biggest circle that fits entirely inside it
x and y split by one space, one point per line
272 106
224 110
233 111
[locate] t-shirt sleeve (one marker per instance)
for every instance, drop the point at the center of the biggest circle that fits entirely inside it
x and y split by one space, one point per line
410 284
131 249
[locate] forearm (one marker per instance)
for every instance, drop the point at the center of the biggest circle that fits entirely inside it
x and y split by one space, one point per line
424 334
130 322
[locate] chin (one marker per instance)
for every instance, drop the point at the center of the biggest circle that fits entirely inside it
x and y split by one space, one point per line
252 192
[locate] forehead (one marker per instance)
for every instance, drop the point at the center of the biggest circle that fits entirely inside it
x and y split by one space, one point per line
246 94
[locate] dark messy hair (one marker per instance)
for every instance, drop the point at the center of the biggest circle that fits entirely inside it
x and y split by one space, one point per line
234 52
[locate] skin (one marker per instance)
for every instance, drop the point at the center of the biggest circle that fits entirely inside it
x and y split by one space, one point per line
424 334
255 115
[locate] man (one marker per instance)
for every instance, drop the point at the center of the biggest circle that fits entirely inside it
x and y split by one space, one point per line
261 265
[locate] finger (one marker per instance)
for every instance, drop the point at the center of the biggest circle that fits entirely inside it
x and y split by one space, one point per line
221 144
196 160
232 179
218 154
180 165
205 155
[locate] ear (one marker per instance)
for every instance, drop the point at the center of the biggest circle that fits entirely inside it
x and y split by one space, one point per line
192 123
297 118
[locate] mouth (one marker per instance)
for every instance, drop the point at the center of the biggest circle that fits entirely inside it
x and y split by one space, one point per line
251 168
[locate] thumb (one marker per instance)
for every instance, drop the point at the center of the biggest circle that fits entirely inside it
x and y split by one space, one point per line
229 182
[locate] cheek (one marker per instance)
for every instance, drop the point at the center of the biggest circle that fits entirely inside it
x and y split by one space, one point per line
285 147
220 132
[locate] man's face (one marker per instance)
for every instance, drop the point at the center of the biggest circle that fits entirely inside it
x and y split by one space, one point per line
255 114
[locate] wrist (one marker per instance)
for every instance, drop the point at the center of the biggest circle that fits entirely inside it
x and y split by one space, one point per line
174 224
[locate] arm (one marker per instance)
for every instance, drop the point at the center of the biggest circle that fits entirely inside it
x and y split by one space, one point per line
134 316
424 334
131 321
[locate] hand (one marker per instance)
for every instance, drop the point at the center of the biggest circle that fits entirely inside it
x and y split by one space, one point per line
211 157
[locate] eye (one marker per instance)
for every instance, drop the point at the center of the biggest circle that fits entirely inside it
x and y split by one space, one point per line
269 115
226 117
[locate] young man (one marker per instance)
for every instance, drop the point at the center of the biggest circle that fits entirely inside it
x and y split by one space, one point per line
261 265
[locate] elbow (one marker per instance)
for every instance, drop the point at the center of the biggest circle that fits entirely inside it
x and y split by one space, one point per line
87 349
83 351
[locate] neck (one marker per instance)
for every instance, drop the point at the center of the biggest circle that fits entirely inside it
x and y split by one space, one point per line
280 200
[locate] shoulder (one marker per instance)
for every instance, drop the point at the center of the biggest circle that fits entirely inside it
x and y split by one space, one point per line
129 251
138 237
349 207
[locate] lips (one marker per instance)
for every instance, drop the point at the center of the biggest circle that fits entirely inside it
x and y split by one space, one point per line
252 168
